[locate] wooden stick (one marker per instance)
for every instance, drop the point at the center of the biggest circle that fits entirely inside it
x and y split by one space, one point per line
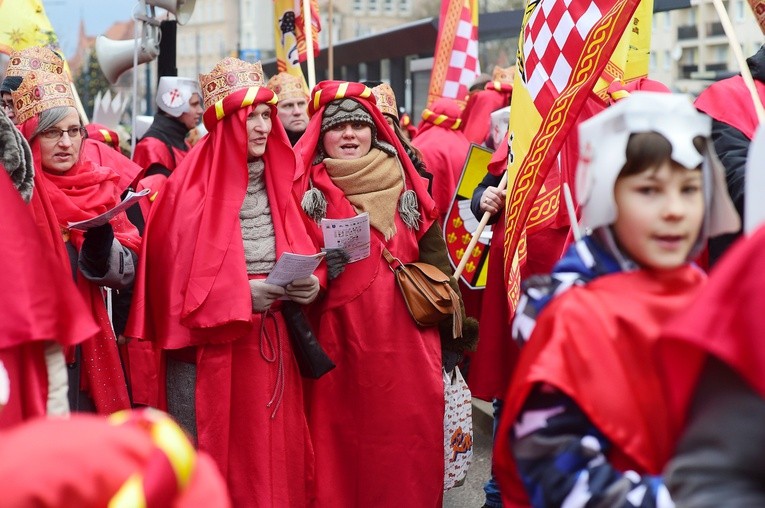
736 47
307 29
330 45
477 232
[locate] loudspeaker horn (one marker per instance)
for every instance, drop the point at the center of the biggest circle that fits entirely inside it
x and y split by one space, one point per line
116 57
182 9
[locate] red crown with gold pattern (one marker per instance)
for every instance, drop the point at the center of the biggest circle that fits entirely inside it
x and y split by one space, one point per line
40 91
386 99
228 76
34 59
286 86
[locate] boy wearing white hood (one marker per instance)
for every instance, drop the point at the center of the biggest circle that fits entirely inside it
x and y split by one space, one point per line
587 419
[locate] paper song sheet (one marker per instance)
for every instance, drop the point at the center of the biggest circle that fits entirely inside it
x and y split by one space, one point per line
100 220
351 235
291 267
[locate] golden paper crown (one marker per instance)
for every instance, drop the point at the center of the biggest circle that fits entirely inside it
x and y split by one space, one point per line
506 75
41 91
34 58
229 75
386 99
286 86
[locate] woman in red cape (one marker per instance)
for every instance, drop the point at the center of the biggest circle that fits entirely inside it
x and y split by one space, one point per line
79 190
377 419
194 295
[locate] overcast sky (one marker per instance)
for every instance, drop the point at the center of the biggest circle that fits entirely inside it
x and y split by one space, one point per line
65 15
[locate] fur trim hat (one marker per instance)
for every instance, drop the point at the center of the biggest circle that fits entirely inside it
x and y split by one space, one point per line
16 157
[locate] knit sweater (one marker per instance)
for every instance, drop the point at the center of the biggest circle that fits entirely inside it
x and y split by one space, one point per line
257 224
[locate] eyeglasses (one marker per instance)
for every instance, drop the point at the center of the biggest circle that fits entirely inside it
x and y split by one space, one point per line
54 133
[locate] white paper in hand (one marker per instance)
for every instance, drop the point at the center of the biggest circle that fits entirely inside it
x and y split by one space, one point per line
352 235
100 220
291 267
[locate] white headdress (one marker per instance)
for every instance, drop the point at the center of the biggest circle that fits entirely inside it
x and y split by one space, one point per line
603 148
174 93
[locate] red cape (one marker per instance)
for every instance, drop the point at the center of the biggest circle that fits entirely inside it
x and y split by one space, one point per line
444 151
106 155
729 101
476 118
191 288
597 344
39 302
726 322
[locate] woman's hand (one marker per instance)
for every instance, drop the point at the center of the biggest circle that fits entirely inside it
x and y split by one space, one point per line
263 295
493 200
303 291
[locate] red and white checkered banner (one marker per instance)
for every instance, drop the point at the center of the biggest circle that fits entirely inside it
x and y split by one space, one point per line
563 49
455 64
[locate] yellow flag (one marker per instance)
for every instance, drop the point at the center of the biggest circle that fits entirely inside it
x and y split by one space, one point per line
25 24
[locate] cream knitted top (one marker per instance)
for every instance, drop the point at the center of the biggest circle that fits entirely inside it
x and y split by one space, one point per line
257 224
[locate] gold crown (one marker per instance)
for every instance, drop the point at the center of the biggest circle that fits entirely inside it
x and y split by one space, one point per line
40 91
34 59
228 76
287 86
506 75
386 99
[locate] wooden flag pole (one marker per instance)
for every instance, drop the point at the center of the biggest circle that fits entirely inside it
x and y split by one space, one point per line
736 47
330 45
307 29
477 233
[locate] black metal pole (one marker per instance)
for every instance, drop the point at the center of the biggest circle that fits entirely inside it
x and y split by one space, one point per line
166 62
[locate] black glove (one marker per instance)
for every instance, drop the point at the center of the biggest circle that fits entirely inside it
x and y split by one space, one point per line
336 261
96 248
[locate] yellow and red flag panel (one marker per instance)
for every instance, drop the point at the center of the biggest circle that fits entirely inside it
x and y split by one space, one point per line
455 63
563 48
25 24
461 223
289 32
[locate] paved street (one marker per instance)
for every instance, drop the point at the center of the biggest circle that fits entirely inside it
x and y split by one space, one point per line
470 495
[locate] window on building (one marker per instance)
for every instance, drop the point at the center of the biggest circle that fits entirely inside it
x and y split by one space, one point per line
358 6
692 16
667 21
374 6
740 10
388 6
404 6
667 59
652 61
721 54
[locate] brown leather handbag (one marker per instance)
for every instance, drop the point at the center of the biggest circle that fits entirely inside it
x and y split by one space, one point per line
426 292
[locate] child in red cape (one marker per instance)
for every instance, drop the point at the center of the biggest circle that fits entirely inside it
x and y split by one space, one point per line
585 416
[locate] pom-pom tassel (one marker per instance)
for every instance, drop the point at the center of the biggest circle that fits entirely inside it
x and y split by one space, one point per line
314 204
408 207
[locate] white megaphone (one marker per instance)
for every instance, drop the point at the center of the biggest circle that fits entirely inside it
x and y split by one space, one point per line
182 9
116 57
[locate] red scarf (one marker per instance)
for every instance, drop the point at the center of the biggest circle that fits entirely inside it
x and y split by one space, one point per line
192 286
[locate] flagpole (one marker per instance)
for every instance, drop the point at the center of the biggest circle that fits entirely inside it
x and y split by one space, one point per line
477 233
746 74
330 45
307 15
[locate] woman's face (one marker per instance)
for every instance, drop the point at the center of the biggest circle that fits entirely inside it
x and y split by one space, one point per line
348 140
60 144
258 128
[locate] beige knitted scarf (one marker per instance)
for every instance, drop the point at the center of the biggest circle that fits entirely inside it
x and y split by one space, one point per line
372 183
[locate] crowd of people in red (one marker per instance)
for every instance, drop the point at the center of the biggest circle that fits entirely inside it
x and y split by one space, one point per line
154 355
